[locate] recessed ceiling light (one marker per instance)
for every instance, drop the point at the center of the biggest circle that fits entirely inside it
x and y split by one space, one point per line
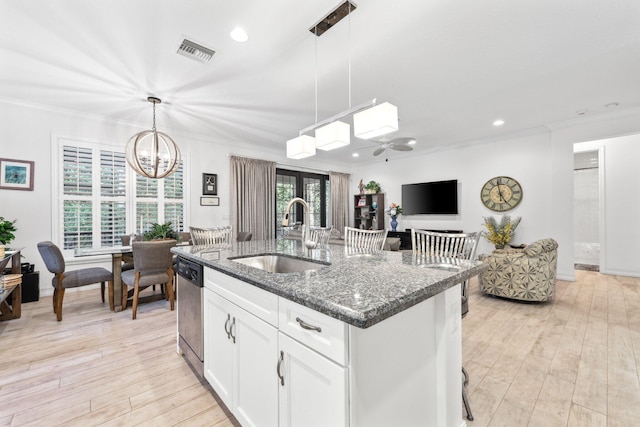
498 122
355 155
611 105
412 142
239 35
582 112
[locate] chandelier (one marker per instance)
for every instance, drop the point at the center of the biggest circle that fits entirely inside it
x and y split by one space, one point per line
151 153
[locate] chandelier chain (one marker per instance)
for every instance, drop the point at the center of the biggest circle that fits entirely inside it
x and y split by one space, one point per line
154 117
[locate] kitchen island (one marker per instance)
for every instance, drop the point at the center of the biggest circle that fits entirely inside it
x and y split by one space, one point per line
355 338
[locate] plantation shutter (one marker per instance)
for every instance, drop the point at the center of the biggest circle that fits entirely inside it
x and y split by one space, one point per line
77 191
174 198
113 192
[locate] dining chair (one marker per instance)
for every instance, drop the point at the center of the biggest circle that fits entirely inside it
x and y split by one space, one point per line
210 236
364 239
127 259
63 279
153 265
450 245
321 235
185 237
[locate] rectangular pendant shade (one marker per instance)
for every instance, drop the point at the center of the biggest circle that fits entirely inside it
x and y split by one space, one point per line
301 147
332 136
376 121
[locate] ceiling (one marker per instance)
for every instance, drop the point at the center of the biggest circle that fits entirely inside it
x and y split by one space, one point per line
451 67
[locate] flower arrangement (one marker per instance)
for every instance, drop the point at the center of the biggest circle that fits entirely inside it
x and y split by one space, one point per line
500 233
393 210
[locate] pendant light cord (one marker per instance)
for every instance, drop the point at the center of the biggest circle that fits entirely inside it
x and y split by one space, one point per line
315 40
349 52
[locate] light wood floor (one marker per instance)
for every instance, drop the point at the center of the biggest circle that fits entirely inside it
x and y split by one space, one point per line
98 368
571 362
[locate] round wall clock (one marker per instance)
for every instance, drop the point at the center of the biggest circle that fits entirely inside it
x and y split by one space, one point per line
501 193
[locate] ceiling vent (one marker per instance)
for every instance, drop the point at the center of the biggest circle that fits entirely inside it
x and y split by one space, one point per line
195 51
333 18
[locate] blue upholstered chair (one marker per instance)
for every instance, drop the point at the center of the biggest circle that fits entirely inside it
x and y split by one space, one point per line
62 280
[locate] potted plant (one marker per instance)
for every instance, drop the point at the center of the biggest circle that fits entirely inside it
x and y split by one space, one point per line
500 233
372 187
6 233
161 231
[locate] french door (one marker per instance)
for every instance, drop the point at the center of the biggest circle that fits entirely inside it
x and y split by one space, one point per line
313 188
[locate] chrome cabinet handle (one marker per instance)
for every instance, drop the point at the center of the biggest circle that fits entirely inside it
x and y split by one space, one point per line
305 325
231 328
227 331
278 368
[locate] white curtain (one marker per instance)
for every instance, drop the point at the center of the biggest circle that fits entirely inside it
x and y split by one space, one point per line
340 206
253 197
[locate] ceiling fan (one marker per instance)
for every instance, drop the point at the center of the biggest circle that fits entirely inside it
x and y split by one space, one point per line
398 144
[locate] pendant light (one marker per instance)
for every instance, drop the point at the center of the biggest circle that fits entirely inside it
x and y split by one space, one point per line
337 134
331 133
301 147
151 153
376 121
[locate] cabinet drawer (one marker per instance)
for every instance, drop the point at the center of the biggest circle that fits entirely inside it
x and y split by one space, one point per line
256 301
330 340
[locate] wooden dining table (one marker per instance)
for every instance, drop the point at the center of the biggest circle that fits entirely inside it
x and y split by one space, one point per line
116 253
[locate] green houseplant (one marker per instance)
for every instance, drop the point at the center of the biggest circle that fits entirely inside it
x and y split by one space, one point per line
372 187
6 233
161 231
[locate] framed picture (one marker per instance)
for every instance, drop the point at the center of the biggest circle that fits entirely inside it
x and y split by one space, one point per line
209 201
16 174
362 202
209 184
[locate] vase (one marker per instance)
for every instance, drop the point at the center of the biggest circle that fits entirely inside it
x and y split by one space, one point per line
394 223
499 246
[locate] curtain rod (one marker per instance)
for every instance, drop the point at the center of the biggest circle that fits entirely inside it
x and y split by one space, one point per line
301 168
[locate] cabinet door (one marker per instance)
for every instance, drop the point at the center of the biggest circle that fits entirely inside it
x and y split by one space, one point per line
218 347
255 392
315 388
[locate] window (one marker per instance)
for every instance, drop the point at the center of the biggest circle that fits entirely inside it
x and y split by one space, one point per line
101 199
313 188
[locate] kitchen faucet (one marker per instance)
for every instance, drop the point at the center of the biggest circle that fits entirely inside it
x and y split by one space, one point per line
306 231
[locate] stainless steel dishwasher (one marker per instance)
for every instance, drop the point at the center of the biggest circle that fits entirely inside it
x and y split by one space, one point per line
190 314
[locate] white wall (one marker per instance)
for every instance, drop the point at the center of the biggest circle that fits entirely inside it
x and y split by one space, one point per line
543 164
523 158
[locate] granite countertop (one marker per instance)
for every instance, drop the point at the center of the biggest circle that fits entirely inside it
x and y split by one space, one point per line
359 288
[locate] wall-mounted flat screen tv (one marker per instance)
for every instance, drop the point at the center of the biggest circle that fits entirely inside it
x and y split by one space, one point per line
430 198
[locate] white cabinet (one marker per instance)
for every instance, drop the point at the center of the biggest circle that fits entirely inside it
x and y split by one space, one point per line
240 355
313 389
274 362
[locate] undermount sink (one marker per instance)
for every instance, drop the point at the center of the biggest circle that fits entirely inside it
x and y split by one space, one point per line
279 263
443 266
